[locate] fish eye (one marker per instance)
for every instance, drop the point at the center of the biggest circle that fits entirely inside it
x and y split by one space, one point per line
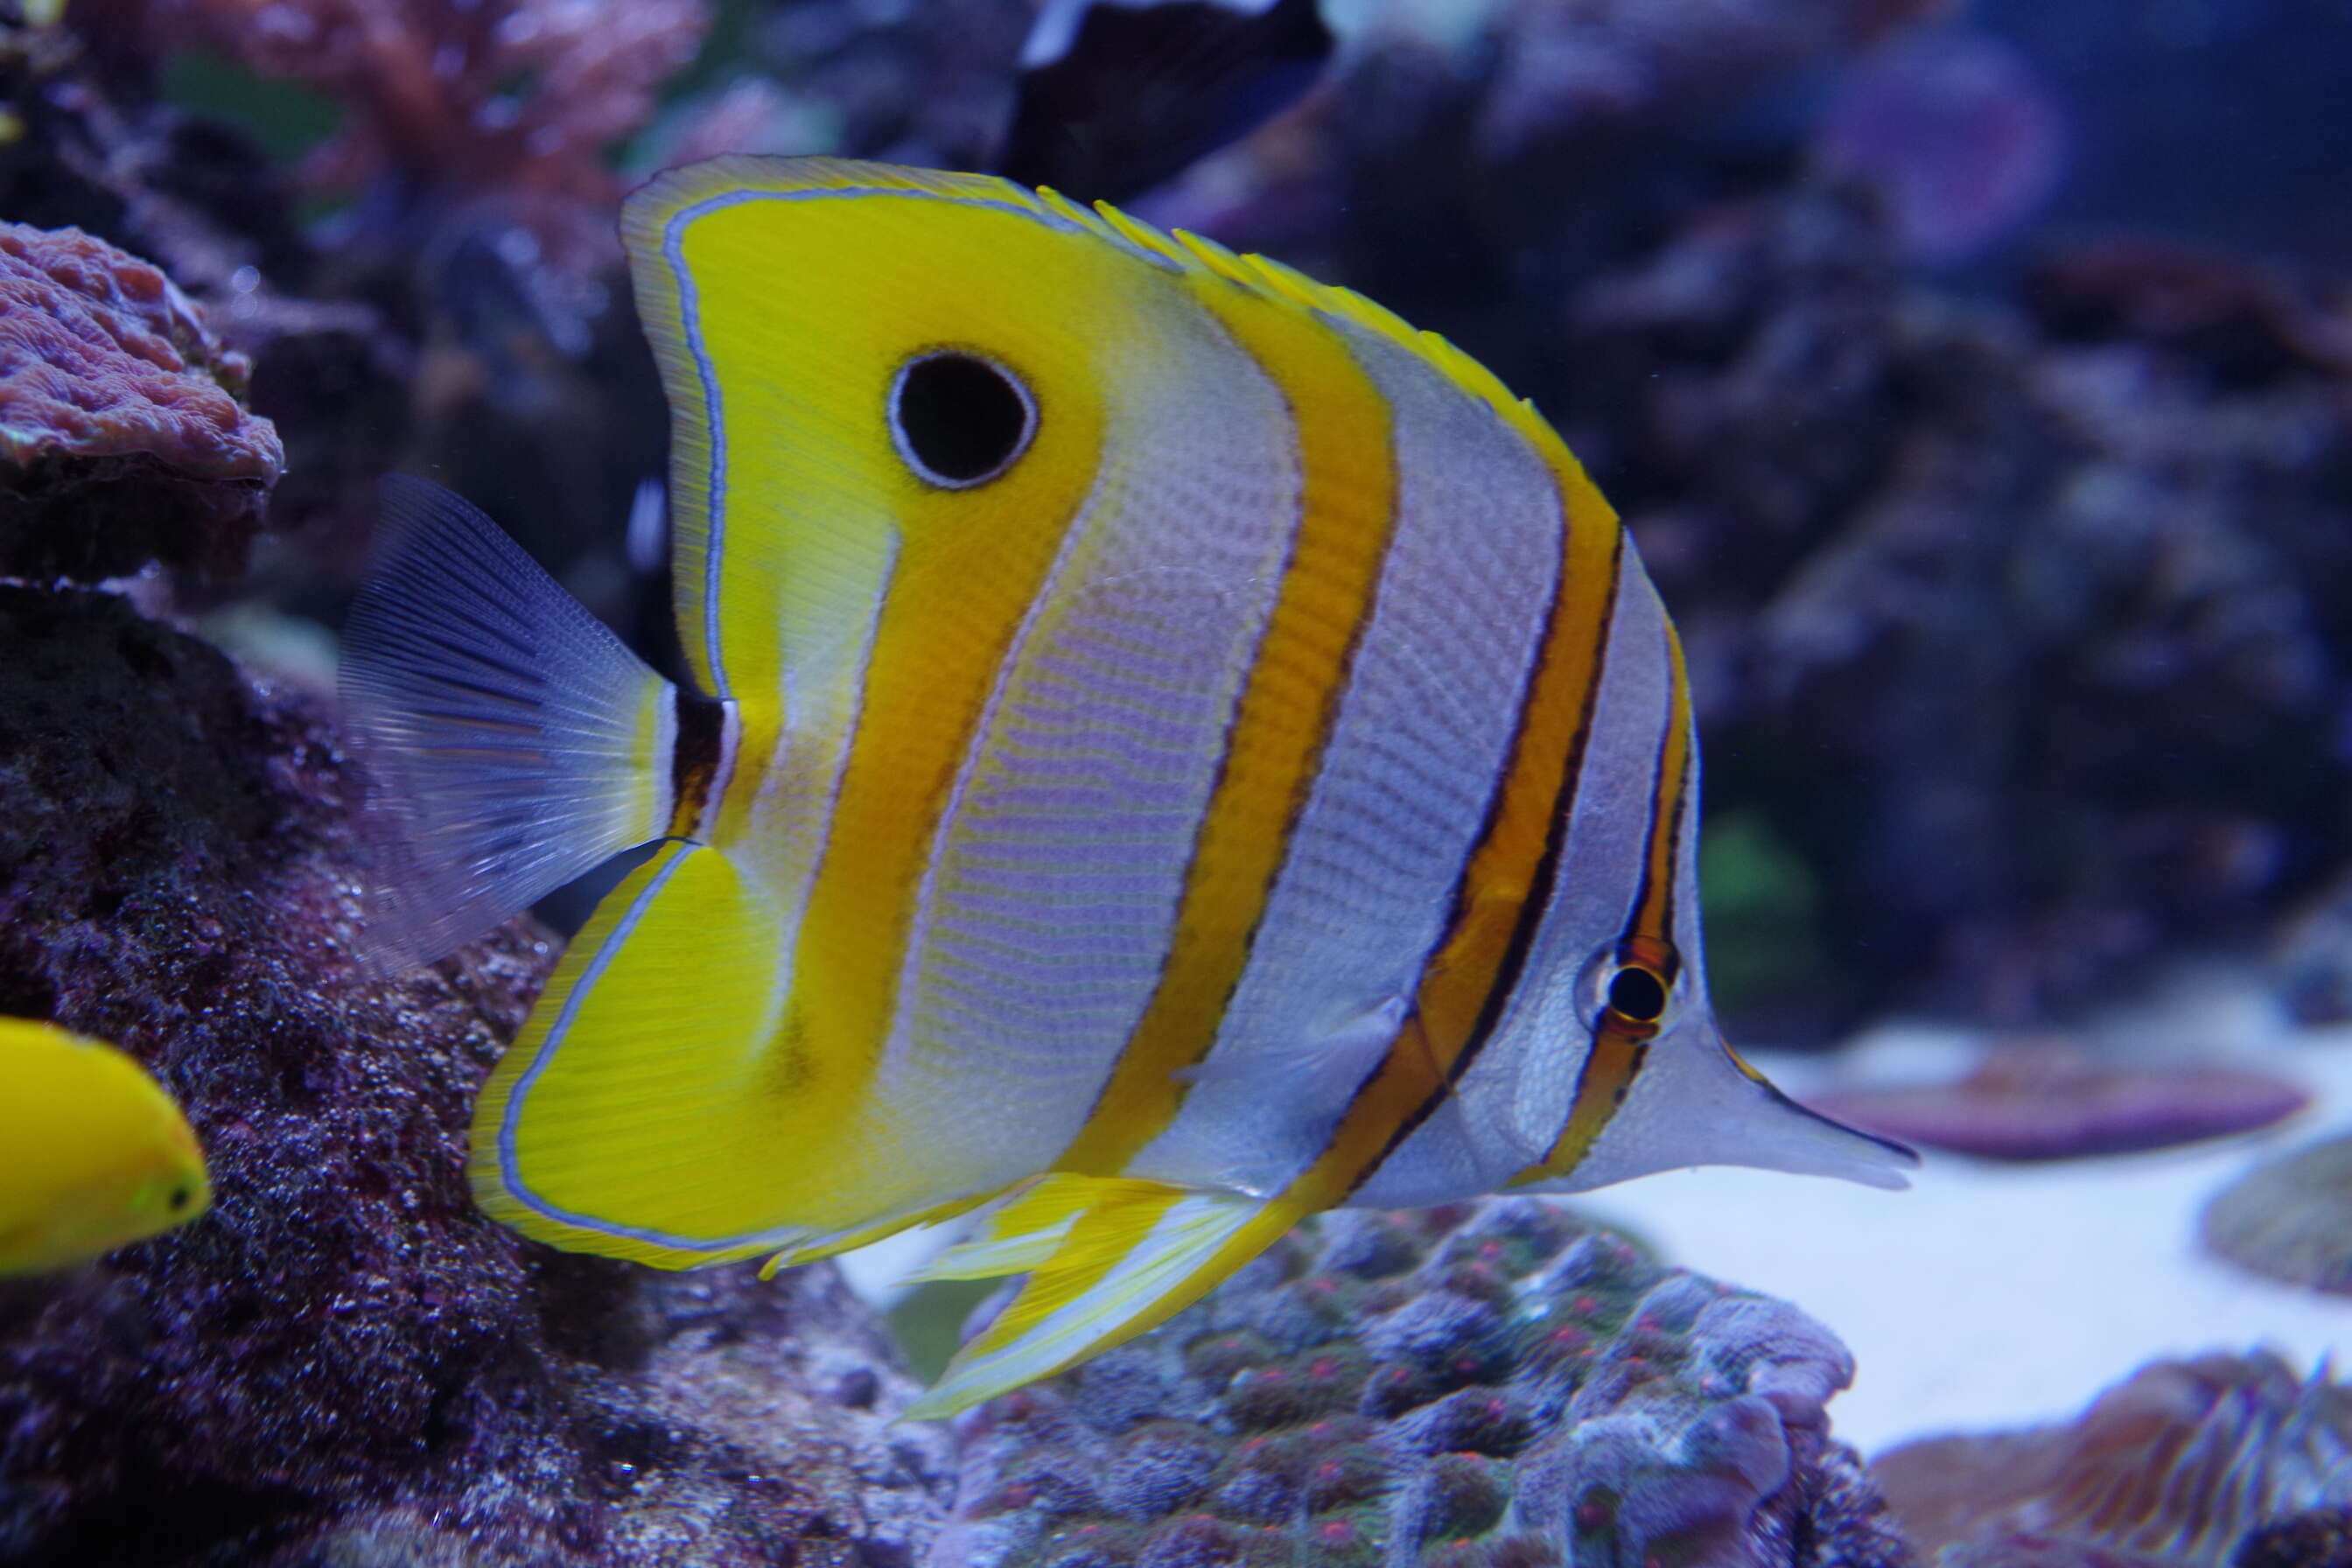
959 420
1637 992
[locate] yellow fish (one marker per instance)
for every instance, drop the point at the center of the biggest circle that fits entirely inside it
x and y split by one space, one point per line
1170 749
93 1154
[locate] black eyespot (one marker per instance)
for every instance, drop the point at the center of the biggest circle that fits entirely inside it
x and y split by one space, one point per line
178 1199
1637 993
959 420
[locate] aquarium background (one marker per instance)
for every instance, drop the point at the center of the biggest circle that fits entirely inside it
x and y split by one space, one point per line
1976 380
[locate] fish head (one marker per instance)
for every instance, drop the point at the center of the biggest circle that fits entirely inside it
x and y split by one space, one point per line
1660 1088
1648 1081
1694 1101
149 1190
171 1188
157 1183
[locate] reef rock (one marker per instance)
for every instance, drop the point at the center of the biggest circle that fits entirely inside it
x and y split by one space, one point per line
1489 1387
122 438
2190 1463
344 1362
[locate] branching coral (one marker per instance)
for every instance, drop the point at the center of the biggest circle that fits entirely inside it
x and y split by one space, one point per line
121 439
465 95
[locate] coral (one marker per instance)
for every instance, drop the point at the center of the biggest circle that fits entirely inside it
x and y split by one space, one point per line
2289 1218
345 1346
87 148
2040 1099
121 439
531 91
2320 1538
2174 1465
522 98
1492 1386
1955 134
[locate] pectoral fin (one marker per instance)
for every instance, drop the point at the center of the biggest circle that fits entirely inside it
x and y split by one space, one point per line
1126 1257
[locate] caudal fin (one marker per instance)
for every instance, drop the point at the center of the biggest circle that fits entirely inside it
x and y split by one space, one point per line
510 742
1113 1259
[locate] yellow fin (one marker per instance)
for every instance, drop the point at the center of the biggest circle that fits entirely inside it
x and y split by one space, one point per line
1138 1254
834 1242
657 1105
1024 1232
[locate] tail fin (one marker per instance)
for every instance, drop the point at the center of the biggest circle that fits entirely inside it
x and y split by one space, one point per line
510 742
1126 1256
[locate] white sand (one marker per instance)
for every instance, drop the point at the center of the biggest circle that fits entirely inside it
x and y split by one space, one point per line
1994 1296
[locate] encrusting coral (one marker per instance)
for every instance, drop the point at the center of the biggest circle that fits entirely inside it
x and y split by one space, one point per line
121 437
1487 1386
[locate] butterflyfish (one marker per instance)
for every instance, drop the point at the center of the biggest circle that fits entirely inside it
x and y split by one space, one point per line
1168 748
93 1152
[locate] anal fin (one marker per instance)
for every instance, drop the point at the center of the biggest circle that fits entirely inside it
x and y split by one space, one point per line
1134 1256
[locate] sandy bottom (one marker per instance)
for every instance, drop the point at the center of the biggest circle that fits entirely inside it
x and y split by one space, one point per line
1993 1295
1989 1296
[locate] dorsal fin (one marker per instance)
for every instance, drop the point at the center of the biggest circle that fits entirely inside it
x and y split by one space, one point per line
650 209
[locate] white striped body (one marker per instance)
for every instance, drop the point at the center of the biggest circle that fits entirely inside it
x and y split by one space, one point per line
1184 751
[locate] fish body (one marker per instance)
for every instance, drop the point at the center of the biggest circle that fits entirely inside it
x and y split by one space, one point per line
1171 749
93 1152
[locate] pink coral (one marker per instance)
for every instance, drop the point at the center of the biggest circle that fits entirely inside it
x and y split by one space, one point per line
469 93
120 437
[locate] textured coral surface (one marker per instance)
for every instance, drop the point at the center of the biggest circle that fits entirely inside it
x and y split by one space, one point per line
2289 1218
1495 1387
345 1350
121 439
2182 1463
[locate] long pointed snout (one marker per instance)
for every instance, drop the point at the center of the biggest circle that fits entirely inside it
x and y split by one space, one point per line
1693 1102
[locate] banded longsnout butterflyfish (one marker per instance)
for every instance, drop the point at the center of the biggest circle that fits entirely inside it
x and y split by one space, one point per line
93 1155
1169 748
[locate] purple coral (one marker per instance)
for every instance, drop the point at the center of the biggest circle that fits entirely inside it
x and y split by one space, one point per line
122 438
1955 134
1497 1386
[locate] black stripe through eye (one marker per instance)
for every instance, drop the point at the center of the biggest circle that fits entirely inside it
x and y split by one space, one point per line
1637 993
